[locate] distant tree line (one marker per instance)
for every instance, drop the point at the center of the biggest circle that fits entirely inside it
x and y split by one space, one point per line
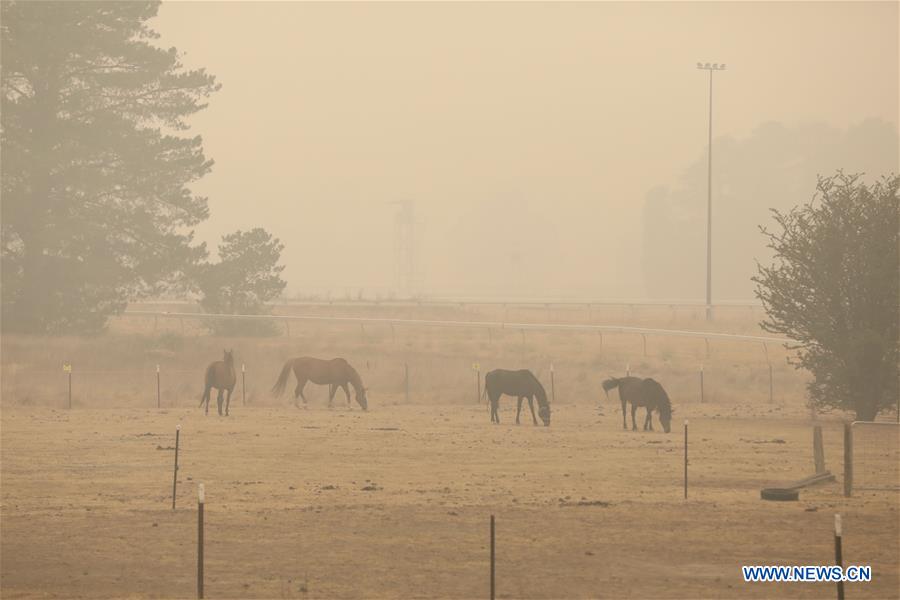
776 166
97 209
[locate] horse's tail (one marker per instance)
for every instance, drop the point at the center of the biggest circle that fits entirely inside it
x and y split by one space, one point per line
206 386
279 386
610 384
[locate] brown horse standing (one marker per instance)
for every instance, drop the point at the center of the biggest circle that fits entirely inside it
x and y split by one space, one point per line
642 392
335 373
220 375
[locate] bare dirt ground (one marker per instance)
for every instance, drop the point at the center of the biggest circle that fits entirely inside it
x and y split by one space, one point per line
395 503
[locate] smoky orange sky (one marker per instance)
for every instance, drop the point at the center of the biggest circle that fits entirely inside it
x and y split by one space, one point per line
525 133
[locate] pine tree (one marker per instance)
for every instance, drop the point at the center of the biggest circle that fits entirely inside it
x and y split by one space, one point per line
246 277
96 205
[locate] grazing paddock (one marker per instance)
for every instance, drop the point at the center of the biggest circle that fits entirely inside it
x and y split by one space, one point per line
395 502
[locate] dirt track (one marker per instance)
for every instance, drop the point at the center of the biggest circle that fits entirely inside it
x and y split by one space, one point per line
584 509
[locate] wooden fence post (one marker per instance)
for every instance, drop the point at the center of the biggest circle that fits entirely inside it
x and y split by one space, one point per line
175 476
838 553
477 368
818 450
493 558
848 460
158 395
406 380
701 384
67 368
552 385
685 459
201 500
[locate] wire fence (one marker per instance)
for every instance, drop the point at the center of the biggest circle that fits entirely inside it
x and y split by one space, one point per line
420 379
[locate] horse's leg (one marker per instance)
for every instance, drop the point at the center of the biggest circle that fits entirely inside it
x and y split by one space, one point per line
624 419
633 411
518 409
531 406
205 398
303 387
346 391
332 390
298 392
228 400
220 399
648 422
495 415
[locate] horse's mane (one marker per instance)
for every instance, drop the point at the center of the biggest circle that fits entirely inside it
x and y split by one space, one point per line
355 379
662 398
541 392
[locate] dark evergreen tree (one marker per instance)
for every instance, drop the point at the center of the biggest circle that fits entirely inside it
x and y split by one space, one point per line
96 206
244 280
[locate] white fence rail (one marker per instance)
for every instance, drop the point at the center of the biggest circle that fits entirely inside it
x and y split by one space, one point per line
644 331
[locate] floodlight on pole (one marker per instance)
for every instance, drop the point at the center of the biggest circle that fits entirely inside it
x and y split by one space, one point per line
709 67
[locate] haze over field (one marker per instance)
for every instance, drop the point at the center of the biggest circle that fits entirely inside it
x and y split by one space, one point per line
550 149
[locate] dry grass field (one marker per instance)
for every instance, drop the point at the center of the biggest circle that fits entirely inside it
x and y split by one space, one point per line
395 502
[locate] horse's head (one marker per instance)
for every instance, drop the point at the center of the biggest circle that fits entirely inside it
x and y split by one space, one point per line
229 357
361 398
665 416
544 414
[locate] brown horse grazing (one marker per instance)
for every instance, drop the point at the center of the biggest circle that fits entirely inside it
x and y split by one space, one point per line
642 392
220 375
336 373
522 384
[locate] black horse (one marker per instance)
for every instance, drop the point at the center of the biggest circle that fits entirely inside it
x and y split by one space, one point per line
642 392
522 384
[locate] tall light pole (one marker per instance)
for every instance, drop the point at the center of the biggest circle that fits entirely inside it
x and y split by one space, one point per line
711 68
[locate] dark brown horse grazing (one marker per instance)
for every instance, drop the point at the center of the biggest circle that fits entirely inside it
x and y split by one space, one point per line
336 373
642 392
522 384
220 375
